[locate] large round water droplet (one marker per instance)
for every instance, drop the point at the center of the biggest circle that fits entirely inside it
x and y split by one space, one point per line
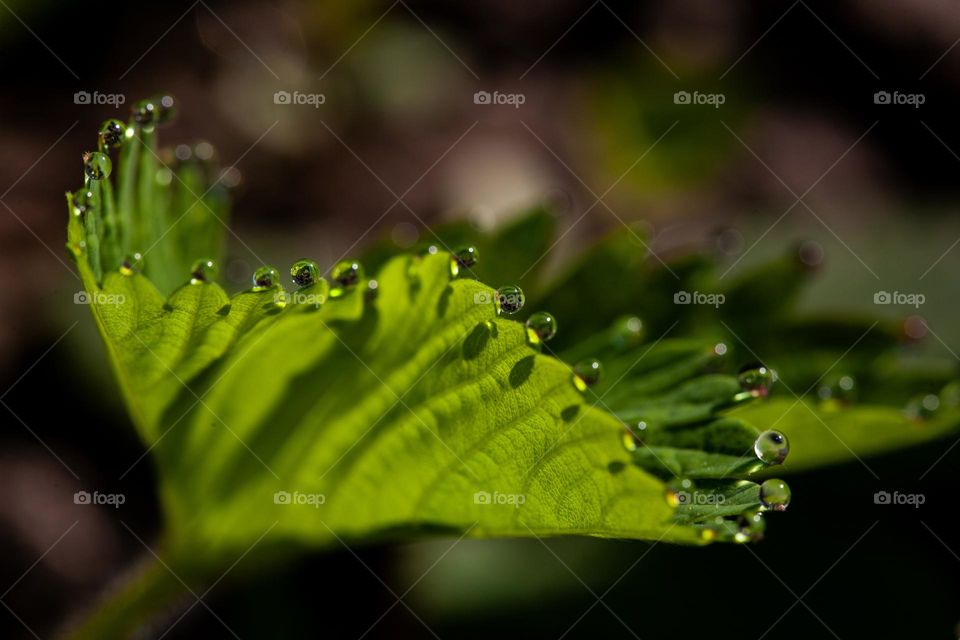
541 327
509 300
112 133
266 277
346 275
462 259
97 165
679 491
771 447
203 271
145 113
750 527
756 379
586 373
304 272
775 494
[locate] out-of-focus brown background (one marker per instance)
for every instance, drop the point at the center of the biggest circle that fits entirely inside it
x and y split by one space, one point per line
402 141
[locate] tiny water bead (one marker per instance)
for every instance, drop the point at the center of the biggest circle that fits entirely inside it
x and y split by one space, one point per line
82 201
541 327
775 494
677 491
922 407
165 107
370 294
128 264
304 272
771 447
586 373
510 299
750 527
632 437
462 259
266 277
756 379
627 332
346 275
112 133
203 271
97 165
145 113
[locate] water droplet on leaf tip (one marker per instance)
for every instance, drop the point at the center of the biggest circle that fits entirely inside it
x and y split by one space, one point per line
112 134
145 113
756 379
266 277
97 165
586 373
346 275
203 271
775 494
129 263
771 447
509 300
463 259
541 327
304 272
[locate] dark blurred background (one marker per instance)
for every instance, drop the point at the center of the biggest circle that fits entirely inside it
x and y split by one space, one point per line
398 144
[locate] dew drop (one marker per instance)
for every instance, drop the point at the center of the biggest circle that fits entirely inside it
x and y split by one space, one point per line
586 373
203 271
82 202
165 108
346 275
304 272
627 332
771 447
112 133
632 438
541 327
678 491
922 407
756 379
775 494
463 259
127 266
97 165
510 300
750 527
264 278
145 113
